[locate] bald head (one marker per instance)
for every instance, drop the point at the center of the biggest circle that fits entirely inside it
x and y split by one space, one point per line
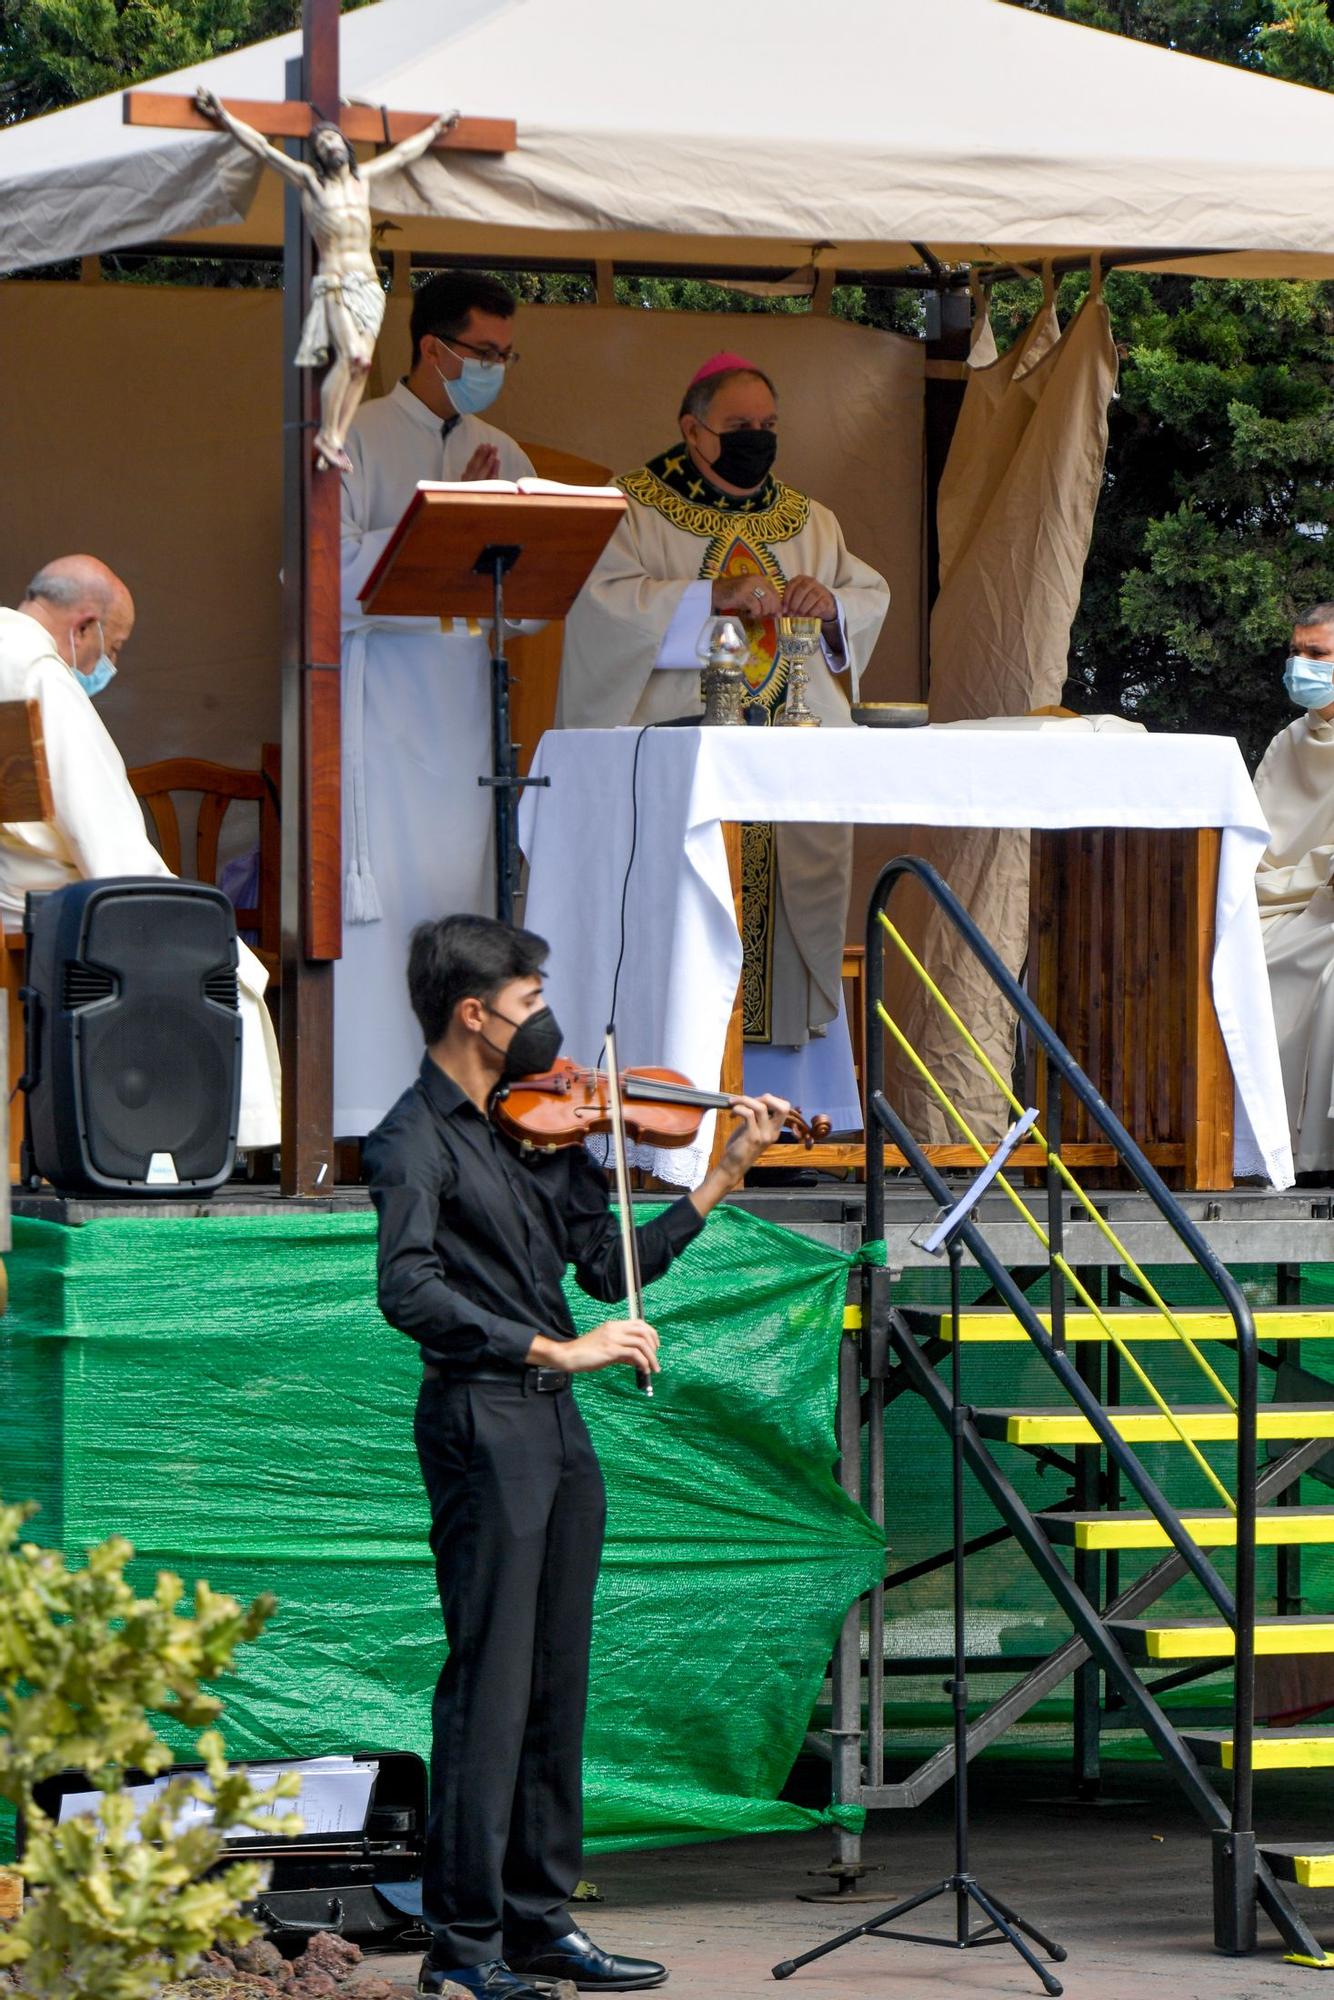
83 605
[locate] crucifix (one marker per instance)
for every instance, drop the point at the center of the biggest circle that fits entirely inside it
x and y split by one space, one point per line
312 886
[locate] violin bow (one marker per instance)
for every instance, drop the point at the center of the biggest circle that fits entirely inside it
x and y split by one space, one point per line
634 1291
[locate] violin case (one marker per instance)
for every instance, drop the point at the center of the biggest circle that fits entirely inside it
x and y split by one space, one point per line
363 1885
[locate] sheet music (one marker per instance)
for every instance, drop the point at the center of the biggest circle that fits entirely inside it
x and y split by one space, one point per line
334 1798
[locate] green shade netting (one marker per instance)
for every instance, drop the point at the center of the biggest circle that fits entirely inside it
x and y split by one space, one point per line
224 1392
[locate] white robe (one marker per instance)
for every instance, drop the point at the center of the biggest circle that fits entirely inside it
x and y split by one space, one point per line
630 659
416 738
1295 784
98 830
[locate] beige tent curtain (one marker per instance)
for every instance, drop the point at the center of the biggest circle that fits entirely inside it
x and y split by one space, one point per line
1015 515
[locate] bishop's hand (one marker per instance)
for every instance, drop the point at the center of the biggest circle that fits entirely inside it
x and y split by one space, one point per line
208 106
807 597
746 596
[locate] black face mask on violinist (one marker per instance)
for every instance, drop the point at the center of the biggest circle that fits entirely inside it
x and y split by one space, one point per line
533 1047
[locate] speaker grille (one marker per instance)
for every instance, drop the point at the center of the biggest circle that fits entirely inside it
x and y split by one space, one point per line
85 985
220 987
143 1057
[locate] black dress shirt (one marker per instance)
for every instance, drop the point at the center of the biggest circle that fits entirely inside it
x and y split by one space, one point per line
476 1234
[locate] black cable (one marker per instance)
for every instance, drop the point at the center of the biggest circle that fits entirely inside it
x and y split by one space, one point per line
634 842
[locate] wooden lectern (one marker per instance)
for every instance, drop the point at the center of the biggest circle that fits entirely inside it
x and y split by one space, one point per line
474 552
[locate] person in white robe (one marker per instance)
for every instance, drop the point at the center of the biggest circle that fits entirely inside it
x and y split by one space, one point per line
59 649
416 698
1295 784
710 530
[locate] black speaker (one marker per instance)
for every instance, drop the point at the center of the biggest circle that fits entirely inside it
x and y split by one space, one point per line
133 1037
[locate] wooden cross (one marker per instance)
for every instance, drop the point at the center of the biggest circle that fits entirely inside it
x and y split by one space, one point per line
312 873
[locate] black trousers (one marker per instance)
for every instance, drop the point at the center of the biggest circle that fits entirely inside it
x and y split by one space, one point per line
517 1516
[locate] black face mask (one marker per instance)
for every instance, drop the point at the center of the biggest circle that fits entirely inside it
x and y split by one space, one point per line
534 1045
746 456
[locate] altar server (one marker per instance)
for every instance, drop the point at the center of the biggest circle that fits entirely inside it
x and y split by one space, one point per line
709 530
60 648
1295 783
416 699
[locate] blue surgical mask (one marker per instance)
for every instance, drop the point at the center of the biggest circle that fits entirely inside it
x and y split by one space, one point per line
1310 683
476 388
94 682
99 675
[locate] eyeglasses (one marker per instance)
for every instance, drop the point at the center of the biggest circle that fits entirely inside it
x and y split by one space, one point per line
490 357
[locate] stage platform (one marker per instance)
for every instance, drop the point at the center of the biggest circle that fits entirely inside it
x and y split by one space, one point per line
1123 1884
1245 1226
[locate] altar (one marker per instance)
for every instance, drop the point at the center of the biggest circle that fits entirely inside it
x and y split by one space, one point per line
628 867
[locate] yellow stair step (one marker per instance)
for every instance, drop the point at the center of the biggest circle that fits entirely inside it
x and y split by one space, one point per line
1204 1423
1301 1749
1210 1527
989 1324
1310 1864
1211 1639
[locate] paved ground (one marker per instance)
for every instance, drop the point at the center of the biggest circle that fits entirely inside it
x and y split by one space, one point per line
1123 1885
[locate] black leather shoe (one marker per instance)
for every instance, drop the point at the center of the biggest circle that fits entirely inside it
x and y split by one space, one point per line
493 1979
576 1957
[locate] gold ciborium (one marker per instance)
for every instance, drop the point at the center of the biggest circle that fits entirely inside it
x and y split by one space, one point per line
798 640
723 649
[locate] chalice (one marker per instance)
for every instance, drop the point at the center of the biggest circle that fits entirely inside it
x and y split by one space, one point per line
798 639
723 649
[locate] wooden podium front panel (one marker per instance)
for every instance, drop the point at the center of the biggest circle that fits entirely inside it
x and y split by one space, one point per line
1121 948
1120 962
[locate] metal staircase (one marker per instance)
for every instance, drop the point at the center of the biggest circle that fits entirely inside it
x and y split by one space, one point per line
1091 1428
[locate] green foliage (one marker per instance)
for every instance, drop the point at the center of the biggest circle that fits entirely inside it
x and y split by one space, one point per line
1216 515
120 1901
55 52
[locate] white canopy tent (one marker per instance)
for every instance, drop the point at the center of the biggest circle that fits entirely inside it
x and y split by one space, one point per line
976 130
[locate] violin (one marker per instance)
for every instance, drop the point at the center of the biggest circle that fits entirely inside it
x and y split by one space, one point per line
569 1102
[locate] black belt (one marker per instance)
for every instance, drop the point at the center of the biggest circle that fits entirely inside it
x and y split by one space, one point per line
533 1381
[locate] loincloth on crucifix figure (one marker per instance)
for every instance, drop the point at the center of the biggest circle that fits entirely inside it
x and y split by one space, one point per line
360 295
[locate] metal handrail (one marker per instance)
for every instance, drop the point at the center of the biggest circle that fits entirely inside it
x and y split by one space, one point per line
1237 1606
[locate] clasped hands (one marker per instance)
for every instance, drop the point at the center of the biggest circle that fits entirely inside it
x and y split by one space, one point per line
756 597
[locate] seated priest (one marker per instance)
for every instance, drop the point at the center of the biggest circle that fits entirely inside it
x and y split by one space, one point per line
710 530
1295 783
60 649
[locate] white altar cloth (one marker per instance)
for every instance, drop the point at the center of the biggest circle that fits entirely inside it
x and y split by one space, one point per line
682 950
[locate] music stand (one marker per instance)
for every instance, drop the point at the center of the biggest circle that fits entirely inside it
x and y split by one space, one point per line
460 552
1001 1925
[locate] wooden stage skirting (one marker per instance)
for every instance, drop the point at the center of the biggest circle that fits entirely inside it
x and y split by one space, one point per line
1121 947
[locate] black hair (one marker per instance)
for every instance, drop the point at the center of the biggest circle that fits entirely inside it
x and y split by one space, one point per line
465 958
444 302
698 398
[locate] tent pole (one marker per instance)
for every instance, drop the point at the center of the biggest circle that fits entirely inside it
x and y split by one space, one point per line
311 775
949 320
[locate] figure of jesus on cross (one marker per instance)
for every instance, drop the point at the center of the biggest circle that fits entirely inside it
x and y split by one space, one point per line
347 297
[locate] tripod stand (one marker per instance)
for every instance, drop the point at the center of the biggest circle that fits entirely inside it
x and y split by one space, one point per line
1002 1925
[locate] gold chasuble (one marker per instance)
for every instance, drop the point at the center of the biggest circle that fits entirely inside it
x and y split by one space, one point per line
629 660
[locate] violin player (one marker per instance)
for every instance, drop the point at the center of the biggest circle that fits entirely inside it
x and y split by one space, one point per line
475 1234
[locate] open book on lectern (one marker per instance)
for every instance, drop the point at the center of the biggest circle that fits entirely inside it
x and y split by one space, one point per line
441 558
530 485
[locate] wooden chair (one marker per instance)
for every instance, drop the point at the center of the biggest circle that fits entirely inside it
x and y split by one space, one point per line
536 656
219 787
